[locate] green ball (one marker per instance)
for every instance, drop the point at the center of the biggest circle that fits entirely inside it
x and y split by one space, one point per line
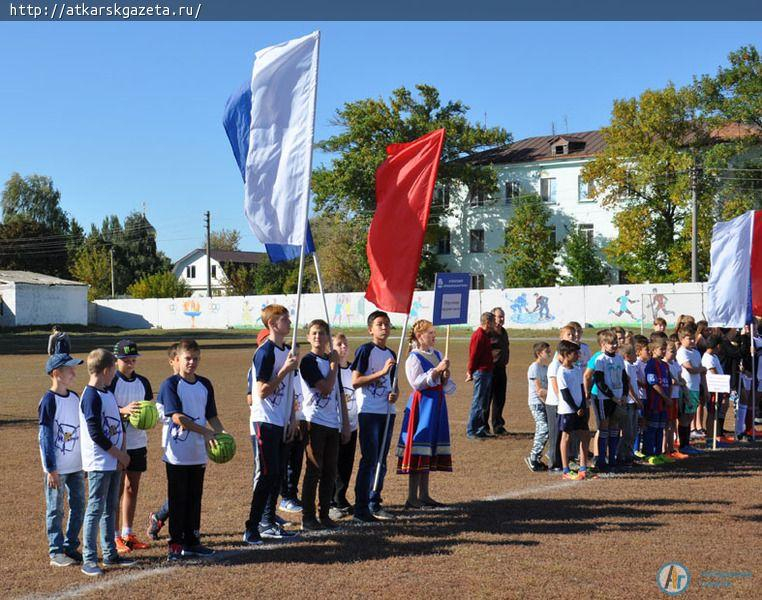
147 417
225 449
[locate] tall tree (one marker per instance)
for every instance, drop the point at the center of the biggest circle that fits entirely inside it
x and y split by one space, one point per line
26 245
529 252
35 199
224 239
159 285
347 186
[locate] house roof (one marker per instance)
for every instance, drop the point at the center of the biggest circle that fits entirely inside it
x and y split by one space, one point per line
34 278
582 145
228 256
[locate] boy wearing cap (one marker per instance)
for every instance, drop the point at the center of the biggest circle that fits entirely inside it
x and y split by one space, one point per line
61 460
130 389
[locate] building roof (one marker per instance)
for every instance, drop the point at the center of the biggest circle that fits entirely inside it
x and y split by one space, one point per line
228 256
583 144
34 278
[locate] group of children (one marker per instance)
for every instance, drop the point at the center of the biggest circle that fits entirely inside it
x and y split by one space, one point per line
317 405
649 396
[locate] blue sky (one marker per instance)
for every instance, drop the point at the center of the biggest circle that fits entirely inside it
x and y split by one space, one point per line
119 114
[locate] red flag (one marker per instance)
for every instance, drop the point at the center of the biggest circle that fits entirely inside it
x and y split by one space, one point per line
404 187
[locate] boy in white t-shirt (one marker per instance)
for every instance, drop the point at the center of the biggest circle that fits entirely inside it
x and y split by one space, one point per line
346 460
566 333
327 425
626 450
711 362
103 458
693 374
537 380
572 409
62 460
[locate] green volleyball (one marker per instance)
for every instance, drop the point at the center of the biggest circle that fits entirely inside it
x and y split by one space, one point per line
225 449
147 417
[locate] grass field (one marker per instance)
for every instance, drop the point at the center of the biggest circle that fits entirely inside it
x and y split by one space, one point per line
508 533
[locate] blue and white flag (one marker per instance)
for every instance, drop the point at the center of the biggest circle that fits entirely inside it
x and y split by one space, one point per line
269 123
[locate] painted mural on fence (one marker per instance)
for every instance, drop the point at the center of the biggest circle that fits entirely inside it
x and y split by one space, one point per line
631 306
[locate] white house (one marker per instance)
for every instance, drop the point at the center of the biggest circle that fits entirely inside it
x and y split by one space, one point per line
191 268
549 166
28 298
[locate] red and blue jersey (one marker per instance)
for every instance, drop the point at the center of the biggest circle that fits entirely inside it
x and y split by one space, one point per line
657 373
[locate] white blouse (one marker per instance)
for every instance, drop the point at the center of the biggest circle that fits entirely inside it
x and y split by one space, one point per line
420 379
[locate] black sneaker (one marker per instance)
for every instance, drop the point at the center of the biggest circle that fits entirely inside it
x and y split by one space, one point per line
119 561
501 431
328 523
75 555
276 532
533 466
364 517
197 550
252 538
311 524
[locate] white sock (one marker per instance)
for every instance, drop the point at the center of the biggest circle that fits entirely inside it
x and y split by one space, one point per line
126 531
741 419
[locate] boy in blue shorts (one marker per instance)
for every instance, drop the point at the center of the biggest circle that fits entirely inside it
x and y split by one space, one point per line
572 409
373 371
104 459
62 460
189 404
612 386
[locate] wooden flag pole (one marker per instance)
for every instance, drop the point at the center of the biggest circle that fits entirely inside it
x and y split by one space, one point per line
395 389
447 343
716 418
753 385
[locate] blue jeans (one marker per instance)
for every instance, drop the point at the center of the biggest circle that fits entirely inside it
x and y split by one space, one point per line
102 504
371 440
482 393
74 483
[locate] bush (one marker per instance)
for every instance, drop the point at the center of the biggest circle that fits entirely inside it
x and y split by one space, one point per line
159 285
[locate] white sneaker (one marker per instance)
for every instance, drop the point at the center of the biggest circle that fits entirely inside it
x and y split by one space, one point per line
61 560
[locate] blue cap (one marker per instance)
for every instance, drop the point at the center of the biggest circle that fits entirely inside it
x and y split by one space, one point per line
61 360
126 349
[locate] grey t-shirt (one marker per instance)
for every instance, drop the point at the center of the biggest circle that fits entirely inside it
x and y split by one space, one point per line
536 371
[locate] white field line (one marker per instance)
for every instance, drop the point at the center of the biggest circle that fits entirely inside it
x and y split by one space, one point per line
133 575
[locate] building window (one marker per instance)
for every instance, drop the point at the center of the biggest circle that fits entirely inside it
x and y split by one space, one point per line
548 189
588 230
443 244
560 149
477 281
476 241
584 190
512 190
442 196
477 198
214 271
190 272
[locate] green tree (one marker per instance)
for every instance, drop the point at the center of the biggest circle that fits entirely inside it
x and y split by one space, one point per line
582 260
368 126
644 174
224 239
530 248
27 245
35 199
138 244
93 267
159 285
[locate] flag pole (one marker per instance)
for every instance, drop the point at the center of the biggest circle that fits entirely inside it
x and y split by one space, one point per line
447 343
753 385
308 181
395 389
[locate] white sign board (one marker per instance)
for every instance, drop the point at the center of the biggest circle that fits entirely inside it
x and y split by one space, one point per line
718 384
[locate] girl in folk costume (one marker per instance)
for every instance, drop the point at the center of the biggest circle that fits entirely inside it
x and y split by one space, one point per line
424 443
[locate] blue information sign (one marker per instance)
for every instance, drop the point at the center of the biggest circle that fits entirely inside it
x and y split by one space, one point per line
451 298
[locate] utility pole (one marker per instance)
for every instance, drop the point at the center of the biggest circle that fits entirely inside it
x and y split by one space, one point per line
694 220
207 222
111 252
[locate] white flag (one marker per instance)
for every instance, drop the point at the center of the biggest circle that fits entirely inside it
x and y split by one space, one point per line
729 279
278 164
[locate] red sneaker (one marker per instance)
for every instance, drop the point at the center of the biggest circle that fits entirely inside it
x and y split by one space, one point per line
121 545
134 543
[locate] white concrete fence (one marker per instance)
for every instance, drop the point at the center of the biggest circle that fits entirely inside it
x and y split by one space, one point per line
631 306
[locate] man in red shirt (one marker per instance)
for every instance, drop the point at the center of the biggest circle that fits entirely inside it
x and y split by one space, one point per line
479 371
